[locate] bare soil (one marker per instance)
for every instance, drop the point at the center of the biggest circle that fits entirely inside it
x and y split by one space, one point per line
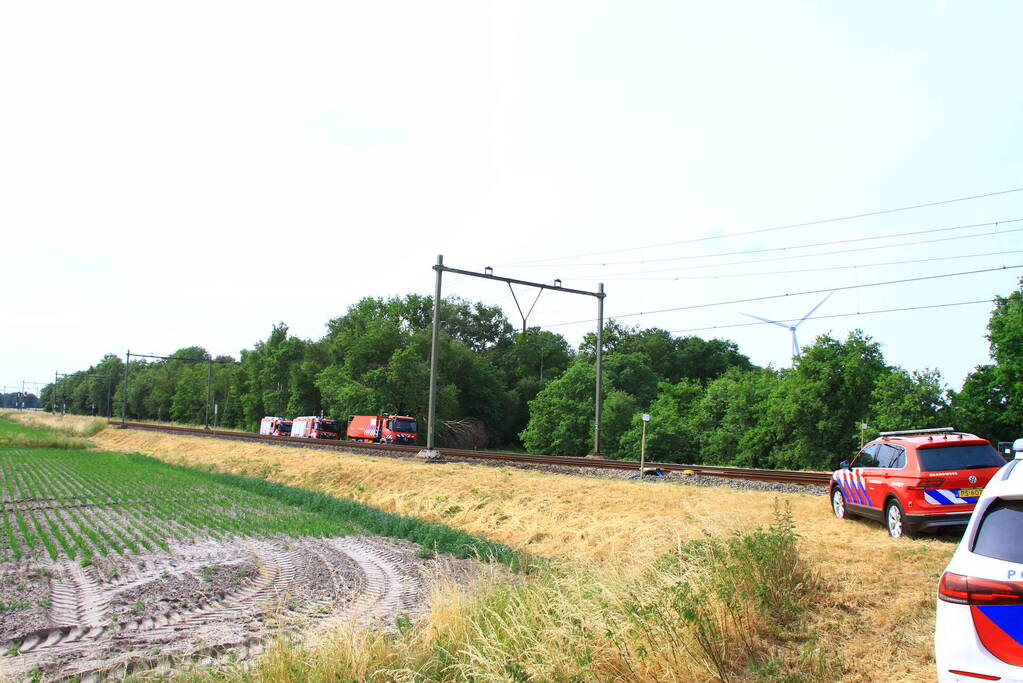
157 610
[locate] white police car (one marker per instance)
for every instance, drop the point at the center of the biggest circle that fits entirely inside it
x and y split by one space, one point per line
978 634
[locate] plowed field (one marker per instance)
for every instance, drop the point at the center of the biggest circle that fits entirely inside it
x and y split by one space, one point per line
113 562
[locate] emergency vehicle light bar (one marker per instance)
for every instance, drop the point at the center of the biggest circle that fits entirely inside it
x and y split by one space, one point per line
936 430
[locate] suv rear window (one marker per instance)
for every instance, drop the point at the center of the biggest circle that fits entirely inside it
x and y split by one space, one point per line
999 531
958 458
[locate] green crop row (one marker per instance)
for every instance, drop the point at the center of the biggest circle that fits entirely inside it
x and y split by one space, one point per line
80 504
75 504
438 537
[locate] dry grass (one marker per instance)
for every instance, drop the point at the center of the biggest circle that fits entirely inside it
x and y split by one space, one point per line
877 614
68 425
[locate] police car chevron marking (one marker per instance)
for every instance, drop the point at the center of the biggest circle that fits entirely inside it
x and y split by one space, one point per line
853 488
946 497
1000 629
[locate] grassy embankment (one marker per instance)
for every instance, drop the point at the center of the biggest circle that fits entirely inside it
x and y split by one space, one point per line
629 596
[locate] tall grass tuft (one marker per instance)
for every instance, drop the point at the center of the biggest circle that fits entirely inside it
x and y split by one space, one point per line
66 443
33 431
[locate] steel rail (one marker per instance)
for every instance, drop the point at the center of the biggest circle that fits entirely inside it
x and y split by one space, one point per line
777 476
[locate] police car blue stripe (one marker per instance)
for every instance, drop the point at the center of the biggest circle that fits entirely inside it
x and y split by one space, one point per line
851 484
845 491
866 496
946 497
1009 618
850 495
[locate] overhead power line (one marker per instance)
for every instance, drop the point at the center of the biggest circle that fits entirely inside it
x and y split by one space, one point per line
776 228
782 296
810 245
839 315
800 256
873 264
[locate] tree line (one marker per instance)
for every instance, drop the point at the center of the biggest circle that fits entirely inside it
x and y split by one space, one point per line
17 399
708 403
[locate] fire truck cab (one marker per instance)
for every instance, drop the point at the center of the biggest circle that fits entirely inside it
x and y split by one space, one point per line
312 427
270 425
382 428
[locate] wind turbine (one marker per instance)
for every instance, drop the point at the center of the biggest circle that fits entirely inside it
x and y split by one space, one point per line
792 328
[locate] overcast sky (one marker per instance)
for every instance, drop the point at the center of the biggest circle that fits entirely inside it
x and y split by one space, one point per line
190 173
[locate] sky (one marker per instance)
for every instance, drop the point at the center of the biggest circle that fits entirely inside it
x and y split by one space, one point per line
191 173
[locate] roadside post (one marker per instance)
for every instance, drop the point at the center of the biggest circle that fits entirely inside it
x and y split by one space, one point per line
863 425
642 447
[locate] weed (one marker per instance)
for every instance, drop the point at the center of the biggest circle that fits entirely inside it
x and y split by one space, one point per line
403 623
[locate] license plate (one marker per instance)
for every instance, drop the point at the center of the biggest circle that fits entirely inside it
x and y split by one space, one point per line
970 493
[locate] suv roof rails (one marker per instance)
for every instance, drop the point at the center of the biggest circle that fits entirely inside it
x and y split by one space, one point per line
936 430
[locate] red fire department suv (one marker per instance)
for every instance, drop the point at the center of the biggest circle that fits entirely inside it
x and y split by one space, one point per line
915 480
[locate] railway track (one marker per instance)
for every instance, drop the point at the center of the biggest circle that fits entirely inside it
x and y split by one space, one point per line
776 476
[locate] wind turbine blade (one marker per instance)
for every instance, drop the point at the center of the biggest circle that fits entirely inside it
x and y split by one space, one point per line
814 309
773 322
795 344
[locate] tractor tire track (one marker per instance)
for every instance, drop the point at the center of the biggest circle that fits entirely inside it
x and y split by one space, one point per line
391 584
366 579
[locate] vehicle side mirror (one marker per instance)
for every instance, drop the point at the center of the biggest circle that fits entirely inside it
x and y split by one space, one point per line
845 465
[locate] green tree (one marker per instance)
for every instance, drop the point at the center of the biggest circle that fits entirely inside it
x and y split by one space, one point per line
813 415
1005 333
561 415
632 374
188 404
981 406
669 435
672 358
907 401
728 419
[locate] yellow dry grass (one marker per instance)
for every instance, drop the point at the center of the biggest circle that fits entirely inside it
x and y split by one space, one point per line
878 613
72 425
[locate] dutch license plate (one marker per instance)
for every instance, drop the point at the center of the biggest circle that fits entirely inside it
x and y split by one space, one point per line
970 493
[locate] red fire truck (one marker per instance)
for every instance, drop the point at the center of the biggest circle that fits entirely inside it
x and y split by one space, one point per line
276 426
382 428
312 427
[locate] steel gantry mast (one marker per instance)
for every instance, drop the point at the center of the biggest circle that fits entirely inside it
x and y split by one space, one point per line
431 451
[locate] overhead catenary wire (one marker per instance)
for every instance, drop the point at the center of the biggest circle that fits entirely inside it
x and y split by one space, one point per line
758 231
790 294
798 256
810 245
838 315
873 264
187 360
799 271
